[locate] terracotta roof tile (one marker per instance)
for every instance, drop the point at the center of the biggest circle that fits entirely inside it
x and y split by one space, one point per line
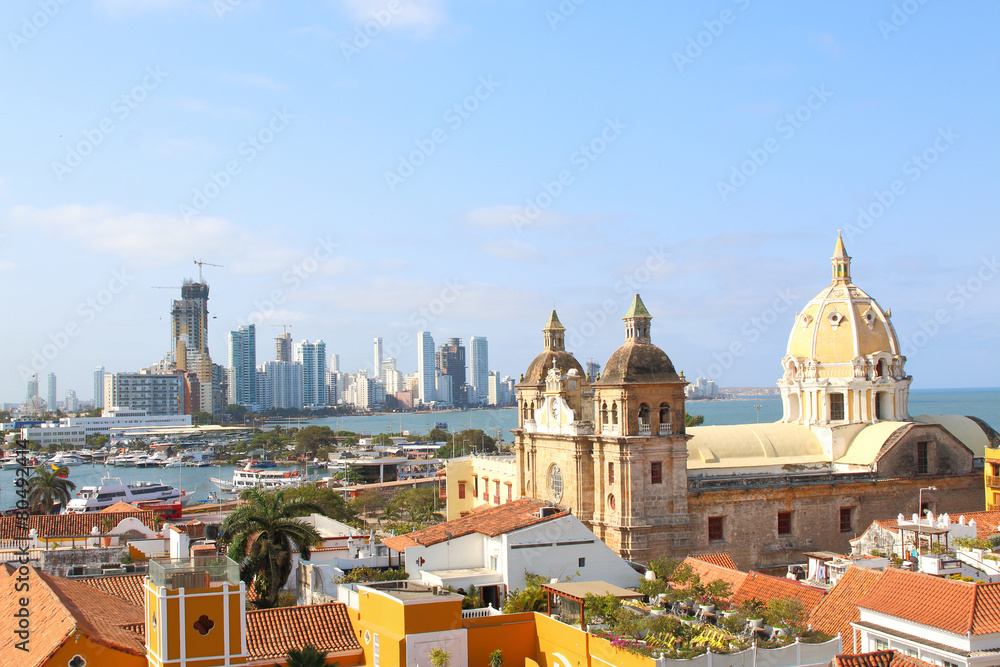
121 506
889 658
491 521
722 560
68 525
128 587
839 608
953 606
708 572
59 608
764 587
271 633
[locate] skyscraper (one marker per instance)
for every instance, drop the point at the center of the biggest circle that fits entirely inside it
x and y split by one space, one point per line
479 367
312 356
377 360
189 318
283 347
99 387
281 384
51 397
451 362
243 362
425 366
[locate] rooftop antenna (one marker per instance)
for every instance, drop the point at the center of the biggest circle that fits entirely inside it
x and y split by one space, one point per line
201 264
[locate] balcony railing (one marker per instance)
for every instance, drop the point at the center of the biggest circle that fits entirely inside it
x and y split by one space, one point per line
610 429
195 572
645 429
993 480
665 429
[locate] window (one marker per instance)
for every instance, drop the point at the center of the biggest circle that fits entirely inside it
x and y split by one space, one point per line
581 562
611 473
845 519
836 407
784 523
461 490
923 458
881 645
510 491
715 526
496 496
475 486
656 472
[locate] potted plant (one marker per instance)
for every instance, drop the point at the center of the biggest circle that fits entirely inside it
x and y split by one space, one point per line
496 658
440 657
657 610
107 525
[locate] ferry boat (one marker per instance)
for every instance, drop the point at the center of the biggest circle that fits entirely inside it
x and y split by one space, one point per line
250 477
111 490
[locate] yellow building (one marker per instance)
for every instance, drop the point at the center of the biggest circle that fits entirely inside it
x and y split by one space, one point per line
478 481
992 479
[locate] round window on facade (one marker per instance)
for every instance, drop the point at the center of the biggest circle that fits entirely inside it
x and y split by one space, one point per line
611 502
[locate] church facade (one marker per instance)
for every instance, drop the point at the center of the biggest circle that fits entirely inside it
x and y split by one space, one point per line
616 451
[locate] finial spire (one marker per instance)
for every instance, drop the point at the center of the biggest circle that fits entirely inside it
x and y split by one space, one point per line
555 334
637 321
841 261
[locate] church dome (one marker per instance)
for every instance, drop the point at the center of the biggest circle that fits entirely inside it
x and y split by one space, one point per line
638 360
553 356
842 323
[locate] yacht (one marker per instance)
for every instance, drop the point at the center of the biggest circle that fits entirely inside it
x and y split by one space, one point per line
156 460
111 490
250 477
65 459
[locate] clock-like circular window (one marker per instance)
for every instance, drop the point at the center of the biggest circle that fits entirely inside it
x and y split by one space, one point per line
555 482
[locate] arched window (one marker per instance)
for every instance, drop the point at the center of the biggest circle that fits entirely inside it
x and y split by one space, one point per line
531 410
614 414
664 413
604 413
643 414
880 368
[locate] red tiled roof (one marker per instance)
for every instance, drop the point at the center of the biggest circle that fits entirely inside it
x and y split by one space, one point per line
121 506
128 587
491 521
708 572
68 525
764 587
889 658
722 560
953 606
271 633
60 608
839 608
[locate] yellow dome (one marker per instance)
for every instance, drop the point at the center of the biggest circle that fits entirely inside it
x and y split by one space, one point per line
842 322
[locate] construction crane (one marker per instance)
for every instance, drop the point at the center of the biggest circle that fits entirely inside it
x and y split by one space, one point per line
284 327
201 264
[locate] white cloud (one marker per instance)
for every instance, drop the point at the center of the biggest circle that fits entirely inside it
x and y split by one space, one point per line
511 250
203 107
251 79
7 266
421 15
500 216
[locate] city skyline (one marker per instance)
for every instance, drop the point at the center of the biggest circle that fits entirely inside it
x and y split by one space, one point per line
357 179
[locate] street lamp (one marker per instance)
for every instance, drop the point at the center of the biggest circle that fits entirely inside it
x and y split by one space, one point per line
758 413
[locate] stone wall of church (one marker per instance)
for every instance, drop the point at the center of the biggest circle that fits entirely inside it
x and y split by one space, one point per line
750 516
945 454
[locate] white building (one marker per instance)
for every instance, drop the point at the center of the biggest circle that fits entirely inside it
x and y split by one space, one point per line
55 434
281 384
479 366
444 388
391 378
377 358
99 387
312 356
426 367
493 548
72 402
116 417
156 394
51 398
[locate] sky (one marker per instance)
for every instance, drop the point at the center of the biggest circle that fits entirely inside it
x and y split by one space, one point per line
364 168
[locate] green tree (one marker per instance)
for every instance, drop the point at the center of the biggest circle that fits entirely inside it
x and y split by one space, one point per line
311 438
382 439
467 442
307 657
262 534
330 502
46 488
600 608
693 420
201 418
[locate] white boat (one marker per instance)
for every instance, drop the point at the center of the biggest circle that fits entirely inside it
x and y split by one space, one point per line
65 459
10 464
249 477
111 490
156 460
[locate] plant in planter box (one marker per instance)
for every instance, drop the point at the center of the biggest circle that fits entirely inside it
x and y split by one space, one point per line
440 657
496 658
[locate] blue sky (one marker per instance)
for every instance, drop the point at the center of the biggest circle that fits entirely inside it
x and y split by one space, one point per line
464 167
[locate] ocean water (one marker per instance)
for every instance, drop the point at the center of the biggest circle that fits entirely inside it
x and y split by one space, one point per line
982 403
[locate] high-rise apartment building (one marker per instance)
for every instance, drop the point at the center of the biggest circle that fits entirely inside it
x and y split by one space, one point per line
593 370
450 361
377 358
72 402
189 318
50 398
280 385
425 367
312 356
243 366
334 363
479 369
283 347
158 394
391 378
99 387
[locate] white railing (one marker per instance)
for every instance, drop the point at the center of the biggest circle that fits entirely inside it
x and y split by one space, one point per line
665 429
481 612
645 429
793 655
610 429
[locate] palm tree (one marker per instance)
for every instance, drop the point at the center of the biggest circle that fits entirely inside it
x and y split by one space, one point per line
307 657
48 487
262 534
